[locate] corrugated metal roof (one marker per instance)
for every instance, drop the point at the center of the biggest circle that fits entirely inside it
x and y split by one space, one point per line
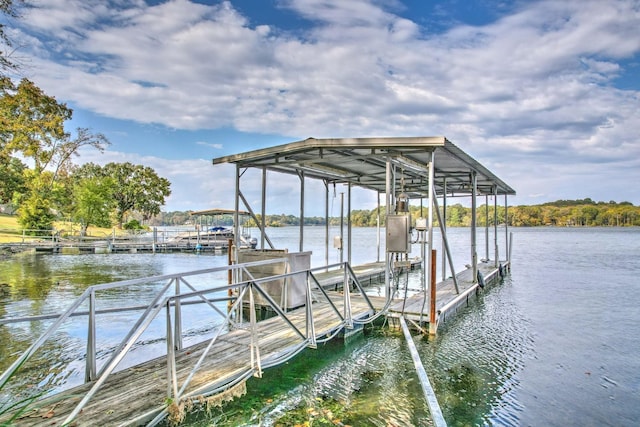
362 162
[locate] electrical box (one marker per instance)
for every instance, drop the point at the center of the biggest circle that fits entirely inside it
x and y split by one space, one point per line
337 242
421 224
398 233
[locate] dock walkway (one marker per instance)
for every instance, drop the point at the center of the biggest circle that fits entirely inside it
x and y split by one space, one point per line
136 395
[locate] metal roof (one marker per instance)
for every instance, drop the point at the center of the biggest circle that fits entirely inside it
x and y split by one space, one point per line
362 162
213 212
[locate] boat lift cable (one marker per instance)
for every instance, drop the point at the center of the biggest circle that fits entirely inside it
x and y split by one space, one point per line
429 394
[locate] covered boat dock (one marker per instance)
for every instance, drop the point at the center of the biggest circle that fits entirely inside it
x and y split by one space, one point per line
215 369
401 170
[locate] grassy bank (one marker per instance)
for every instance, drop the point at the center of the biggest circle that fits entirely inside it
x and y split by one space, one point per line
11 231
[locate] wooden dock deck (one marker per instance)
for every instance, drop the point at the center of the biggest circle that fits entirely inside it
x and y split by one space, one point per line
134 396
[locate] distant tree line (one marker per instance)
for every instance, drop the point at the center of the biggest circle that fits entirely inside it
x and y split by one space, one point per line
573 213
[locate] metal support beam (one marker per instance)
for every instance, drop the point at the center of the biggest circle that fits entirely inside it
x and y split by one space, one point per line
506 228
474 252
264 207
236 215
496 255
447 251
443 228
427 390
387 255
432 202
486 226
301 175
326 221
349 223
90 369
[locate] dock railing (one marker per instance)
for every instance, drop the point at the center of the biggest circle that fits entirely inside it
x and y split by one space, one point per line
172 298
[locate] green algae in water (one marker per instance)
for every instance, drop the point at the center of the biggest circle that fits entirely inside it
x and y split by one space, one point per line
369 380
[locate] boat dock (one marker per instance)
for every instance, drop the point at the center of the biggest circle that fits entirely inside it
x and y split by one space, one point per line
216 370
309 305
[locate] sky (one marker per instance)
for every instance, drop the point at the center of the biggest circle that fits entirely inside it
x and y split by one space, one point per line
546 94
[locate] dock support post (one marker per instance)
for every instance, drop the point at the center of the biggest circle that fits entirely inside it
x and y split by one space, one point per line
178 318
311 327
432 203
349 222
427 390
433 322
443 228
474 252
495 225
341 227
326 222
486 226
506 228
301 175
346 291
172 379
263 208
90 370
255 350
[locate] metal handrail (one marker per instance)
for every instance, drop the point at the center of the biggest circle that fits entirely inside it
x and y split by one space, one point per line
174 302
105 286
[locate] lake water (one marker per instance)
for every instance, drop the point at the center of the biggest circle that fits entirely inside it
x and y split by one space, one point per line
555 344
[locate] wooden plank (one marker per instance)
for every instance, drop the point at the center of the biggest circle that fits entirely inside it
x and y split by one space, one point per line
142 389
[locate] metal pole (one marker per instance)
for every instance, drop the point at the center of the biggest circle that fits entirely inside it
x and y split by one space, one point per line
90 370
445 241
495 225
433 326
178 318
378 227
427 390
349 223
486 226
301 174
430 224
474 253
443 228
341 228
236 220
387 276
263 219
506 227
326 222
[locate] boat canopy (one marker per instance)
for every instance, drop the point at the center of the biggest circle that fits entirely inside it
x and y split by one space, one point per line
363 162
213 212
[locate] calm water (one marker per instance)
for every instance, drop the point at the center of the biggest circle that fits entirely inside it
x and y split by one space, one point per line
555 344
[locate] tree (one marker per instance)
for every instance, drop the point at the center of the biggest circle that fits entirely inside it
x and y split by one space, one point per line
32 125
12 178
136 188
35 207
93 203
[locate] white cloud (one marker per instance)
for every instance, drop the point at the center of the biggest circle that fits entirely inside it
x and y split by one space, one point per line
537 82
